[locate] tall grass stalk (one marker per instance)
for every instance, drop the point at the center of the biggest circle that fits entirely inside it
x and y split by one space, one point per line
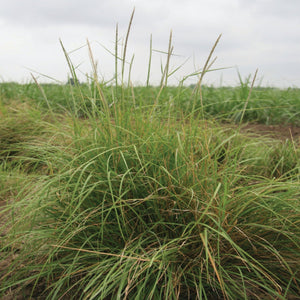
116 57
165 73
69 62
149 62
75 78
96 80
125 45
129 71
207 66
44 95
248 97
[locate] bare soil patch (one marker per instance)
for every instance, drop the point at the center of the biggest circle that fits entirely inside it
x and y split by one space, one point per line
280 132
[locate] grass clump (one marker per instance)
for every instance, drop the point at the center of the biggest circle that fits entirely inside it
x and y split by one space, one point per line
158 212
22 124
27 136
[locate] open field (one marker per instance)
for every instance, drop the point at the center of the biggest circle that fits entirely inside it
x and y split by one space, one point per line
121 192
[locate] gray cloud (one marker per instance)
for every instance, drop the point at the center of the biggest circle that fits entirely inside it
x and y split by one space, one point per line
55 12
273 8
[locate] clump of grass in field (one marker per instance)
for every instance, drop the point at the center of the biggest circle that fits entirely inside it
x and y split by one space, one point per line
29 137
18 125
168 212
150 201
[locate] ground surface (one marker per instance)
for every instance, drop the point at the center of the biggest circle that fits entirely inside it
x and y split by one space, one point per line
281 132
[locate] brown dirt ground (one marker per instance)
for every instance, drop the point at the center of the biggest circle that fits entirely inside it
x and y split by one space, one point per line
280 132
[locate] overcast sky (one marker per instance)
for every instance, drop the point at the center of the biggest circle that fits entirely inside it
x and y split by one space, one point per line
263 34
